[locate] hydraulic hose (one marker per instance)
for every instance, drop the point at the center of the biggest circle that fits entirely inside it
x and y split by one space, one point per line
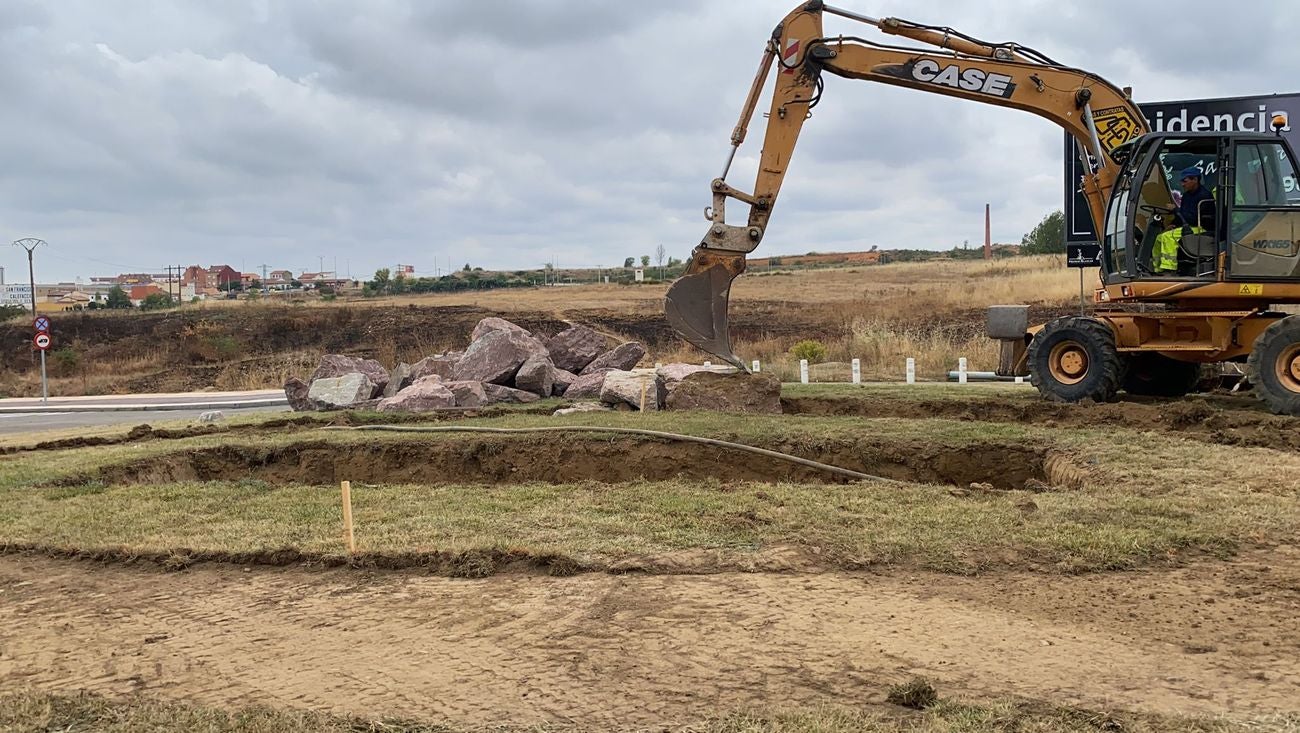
846 472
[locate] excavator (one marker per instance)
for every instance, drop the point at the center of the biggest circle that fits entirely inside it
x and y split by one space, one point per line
1158 316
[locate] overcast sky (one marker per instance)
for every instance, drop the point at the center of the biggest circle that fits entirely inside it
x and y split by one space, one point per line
136 134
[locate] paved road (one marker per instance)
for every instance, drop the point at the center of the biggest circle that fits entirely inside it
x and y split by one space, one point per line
28 422
27 415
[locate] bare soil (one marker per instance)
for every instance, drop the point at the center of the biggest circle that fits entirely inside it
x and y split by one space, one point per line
1224 419
561 458
636 651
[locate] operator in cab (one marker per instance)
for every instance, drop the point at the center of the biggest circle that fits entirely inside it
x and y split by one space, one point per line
1192 218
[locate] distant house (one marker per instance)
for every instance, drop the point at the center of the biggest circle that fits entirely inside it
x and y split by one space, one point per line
248 278
280 276
210 279
139 292
73 301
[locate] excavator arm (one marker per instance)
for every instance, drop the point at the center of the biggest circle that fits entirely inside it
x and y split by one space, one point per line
1098 115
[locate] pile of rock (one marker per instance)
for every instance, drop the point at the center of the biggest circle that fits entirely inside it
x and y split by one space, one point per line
503 363
692 387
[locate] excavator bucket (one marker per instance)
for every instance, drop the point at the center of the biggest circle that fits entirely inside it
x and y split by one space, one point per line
696 304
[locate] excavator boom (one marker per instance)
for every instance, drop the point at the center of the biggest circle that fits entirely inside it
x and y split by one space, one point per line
1099 116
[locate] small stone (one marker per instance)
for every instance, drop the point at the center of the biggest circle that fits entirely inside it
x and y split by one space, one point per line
982 487
212 416
582 407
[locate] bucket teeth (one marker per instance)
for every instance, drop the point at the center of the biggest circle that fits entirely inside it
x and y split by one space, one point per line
696 304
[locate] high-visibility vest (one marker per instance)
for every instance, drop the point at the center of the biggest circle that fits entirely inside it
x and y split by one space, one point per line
1165 257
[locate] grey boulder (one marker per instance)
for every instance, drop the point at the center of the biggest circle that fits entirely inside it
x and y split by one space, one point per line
497 394
423 396
574 348
536 375
442 365
628 387
492 323
338 365
398 379
586 386
332 393
468 394
296 391
496 357
623 357
561 381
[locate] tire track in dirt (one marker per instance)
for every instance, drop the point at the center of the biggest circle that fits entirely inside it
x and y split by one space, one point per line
623 651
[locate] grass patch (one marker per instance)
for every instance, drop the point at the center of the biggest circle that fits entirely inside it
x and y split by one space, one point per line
32 712
1136 507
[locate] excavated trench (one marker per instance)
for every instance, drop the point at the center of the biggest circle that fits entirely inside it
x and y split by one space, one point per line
565 459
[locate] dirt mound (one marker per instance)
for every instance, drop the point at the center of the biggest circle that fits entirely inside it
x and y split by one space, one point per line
1223 419
567 459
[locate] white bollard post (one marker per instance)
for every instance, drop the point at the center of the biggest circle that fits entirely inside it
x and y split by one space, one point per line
1020 380
803 371
658 364
857 371
911 370
757 366
708 364
961 370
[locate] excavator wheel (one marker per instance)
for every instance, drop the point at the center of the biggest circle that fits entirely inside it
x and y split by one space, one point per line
1074 359
1274 366
1156 375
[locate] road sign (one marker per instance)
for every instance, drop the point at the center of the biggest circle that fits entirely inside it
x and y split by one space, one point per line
42 323
1083 254
42 341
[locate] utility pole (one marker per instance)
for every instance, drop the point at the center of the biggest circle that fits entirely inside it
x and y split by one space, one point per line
264 290
30 244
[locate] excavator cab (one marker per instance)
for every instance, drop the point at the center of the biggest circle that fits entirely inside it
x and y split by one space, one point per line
1243 232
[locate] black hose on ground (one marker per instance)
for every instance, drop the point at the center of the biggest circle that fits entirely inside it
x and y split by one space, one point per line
846 472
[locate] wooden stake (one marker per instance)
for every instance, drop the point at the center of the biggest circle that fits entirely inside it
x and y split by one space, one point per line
347 518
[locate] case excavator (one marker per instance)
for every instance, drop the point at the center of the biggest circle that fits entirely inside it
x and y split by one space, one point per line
1152 326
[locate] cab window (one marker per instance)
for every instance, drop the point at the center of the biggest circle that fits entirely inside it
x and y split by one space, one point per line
1264 231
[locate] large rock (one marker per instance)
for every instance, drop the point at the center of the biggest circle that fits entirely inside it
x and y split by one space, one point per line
492 323
586 386
296 391
574 348
338 365
496 357
671 375
498 394
561 380
332 393
536 375
468 394
738 392
442 365
626 386
423 396
582 407
623 357
398 379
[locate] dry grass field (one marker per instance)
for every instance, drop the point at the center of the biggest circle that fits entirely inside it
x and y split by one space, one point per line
1015 566
880 314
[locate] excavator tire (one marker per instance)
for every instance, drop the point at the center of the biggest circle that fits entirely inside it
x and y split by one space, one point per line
1156 375
1274 366
1074 359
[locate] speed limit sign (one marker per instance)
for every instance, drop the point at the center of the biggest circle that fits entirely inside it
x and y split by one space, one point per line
42 341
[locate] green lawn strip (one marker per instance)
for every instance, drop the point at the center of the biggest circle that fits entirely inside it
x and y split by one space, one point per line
31 711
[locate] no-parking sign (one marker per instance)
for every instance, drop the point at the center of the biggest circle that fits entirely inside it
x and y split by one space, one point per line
42 341
42 323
